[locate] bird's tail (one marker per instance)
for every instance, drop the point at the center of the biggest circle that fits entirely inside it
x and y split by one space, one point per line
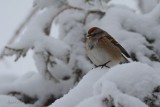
125 60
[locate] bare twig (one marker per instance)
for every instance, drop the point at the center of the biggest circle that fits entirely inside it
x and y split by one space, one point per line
47 62
19 52
23 97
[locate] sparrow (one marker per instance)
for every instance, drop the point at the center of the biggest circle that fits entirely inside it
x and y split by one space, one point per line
103 50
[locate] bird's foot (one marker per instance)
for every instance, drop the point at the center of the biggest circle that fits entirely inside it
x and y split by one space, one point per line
104 65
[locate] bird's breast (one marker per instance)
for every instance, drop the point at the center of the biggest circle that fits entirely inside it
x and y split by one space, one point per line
100 55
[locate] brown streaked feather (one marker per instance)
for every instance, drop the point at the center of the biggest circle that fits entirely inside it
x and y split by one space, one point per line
106 44
117 44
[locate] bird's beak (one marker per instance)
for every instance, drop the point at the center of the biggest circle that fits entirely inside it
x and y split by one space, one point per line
89 36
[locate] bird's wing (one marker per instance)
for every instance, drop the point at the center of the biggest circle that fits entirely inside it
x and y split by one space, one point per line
117 44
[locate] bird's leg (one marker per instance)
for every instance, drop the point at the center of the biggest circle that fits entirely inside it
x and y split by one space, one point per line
104 65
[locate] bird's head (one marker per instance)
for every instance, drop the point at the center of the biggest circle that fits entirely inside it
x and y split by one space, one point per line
94 31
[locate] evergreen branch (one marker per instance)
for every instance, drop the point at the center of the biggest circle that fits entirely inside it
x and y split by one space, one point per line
48 61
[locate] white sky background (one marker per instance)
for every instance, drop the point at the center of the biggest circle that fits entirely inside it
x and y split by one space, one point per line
12 13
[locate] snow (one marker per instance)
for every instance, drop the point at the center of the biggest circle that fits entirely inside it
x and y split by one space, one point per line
66 75
147 5
7 78
34 85
43 3
139 76
124 83
81 91
120 99
8 101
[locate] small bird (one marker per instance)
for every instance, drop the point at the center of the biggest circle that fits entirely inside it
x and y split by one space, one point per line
103 49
